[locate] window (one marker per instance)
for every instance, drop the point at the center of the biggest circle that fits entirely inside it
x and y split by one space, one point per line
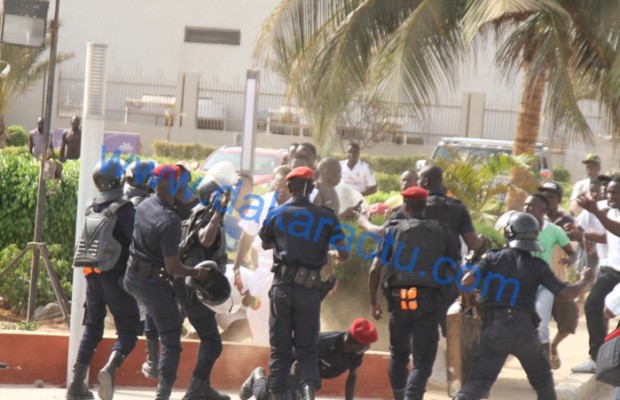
212 35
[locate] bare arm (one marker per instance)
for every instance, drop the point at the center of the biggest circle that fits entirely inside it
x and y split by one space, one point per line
208 234
590 205
572 291
174 266
369 190
473 241
596 237
245 244
63 146
350 385
364 223
572 255
373 285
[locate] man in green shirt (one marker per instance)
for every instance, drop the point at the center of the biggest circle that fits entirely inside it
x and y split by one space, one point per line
550 235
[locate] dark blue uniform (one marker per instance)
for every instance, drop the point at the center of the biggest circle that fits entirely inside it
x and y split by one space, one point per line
103 289
157 233
300 232
414 331
510 325
333 362
200 316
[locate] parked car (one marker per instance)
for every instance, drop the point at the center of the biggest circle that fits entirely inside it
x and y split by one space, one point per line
483 148
265 160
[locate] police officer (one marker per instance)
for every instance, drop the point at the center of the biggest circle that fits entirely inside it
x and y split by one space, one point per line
338 352
136 180
109 220
300 234
513 276
451 212
418 255
154 259
209 244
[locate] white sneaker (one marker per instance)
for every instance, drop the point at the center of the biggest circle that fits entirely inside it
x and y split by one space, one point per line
588 367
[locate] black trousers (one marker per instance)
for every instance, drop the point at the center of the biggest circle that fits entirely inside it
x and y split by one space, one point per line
103 290
413 333
203 320
294 322
501 337
595 319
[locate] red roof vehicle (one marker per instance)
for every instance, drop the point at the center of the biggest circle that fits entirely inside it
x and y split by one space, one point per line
265 160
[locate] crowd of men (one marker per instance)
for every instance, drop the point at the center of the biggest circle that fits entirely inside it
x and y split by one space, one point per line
170 253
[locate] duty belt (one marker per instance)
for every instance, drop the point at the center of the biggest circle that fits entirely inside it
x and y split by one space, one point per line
147 270
301 275
489 313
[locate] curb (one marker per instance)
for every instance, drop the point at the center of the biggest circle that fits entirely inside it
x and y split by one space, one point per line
580 387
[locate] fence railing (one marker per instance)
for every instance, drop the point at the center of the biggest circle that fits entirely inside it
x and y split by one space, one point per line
136 98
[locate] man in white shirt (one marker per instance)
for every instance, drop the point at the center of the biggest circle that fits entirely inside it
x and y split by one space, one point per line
357 173
260 281
593 168
609 274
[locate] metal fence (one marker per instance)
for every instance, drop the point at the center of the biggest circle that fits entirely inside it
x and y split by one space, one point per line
137 98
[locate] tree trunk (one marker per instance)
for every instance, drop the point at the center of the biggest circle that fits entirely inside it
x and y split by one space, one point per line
3 135
528 126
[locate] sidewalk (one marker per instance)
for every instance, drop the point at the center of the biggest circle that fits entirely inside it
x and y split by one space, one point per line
512 383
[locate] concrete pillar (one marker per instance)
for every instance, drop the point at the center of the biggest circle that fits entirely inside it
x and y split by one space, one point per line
471 122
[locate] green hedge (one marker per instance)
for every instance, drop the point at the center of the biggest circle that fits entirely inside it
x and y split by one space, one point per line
386 164
16 135
182 151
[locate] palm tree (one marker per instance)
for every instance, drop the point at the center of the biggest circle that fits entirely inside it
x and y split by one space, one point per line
564 49
328 51
407 49
26 70
481 183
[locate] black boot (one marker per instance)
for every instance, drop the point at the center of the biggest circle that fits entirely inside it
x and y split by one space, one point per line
399 394
280 396
194 391
106 375
149 367
212 394
247 387
78 389
163 390
307 392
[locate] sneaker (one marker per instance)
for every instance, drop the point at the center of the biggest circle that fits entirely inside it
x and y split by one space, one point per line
588 367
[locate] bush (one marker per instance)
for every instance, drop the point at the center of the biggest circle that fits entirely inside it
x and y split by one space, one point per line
561 174
14 151
182 151
14 286
387 182
386 164
381 196
16 135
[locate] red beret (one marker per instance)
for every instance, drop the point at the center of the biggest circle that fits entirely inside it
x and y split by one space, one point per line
414 193
167 171
363 331
301 173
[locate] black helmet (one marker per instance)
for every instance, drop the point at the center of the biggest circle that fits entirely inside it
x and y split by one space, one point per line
139 173
108 179
521 231
216 290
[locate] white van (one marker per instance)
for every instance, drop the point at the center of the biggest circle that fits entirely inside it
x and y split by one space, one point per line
448 146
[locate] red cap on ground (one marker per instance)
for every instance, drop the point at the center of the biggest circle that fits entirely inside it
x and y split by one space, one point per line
301 173
414 193
363 331
167 171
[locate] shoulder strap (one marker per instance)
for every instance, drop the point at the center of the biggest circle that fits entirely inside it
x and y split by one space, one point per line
114 207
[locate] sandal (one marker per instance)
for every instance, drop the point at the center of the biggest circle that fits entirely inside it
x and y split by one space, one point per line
555 360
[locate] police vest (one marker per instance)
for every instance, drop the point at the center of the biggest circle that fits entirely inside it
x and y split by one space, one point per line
418 245
97 247
446 210
196 253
